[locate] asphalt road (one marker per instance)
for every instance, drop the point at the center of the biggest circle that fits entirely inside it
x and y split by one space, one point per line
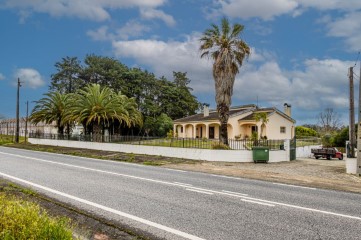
174 204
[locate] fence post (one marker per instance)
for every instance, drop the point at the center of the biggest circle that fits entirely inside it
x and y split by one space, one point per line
183 142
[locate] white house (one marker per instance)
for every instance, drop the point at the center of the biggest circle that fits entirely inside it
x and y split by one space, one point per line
241 123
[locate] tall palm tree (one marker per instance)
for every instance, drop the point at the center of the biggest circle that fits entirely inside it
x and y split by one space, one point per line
228 51
98 107
51 108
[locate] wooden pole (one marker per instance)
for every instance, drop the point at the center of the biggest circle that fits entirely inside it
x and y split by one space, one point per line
26 120
352 116
358 166
17 112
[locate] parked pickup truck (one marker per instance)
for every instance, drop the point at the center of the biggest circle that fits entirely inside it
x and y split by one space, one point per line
328 153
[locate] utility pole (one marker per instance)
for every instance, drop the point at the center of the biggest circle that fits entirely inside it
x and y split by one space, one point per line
17 112
358 166
26 120
352 116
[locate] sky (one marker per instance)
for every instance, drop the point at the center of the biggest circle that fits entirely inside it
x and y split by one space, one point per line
301 49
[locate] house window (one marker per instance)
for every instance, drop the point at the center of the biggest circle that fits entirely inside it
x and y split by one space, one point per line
282 129
181 129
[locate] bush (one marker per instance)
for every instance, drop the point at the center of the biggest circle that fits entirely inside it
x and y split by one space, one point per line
220 146
20 219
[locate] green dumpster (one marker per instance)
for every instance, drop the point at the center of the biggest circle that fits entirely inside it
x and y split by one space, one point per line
260 154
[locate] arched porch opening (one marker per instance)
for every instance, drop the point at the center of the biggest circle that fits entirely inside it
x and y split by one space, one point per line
200 131
247 129
213 131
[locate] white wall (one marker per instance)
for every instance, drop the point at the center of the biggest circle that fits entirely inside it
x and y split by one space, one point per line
187 153
305 152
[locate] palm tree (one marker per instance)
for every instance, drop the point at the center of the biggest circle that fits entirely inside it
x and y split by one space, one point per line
263 117
98 107
228 51
51 108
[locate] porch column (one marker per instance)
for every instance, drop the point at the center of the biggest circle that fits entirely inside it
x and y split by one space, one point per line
175 133
184 130
207 130
194 133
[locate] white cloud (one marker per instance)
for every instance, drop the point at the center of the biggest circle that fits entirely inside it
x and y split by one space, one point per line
150 13
347 27
130 29
267 10
2 77
264 9
86 9
101 34
29 77
317 84
349 5
166 57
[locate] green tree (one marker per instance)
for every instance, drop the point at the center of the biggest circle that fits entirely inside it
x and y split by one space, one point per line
105 71
302 131
66 80
228 51
158 126
181 80
340 138
51 108
99 107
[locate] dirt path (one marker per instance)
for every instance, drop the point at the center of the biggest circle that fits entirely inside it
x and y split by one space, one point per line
306 172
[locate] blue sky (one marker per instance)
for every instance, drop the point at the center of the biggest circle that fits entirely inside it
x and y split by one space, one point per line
301 49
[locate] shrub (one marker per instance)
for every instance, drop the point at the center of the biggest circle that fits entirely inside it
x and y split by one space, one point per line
20 219
220 146
170 134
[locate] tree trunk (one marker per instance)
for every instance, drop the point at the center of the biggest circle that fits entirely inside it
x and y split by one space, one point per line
223 114
97 132
60 127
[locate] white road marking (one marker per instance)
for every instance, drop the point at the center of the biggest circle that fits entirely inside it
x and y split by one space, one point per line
176 170
200 189
111 210
260 203
289 185
184 184
193 190
222 176
241 194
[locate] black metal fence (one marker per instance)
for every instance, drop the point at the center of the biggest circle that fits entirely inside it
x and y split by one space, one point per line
200 143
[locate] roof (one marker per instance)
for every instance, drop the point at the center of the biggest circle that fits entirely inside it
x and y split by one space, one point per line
269 112
213 114
234 111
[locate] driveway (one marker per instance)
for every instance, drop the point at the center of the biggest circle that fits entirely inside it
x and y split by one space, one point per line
329 174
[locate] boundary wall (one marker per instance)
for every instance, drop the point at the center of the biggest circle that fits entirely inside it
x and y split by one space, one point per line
186 153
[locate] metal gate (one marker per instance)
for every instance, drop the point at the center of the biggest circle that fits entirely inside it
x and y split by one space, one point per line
293 149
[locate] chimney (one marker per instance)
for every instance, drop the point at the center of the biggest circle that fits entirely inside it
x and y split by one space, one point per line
287 109
205 110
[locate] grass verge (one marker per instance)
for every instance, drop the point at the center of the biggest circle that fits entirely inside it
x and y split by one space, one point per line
21 219
107 155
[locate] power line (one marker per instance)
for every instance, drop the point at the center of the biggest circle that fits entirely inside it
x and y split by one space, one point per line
358 56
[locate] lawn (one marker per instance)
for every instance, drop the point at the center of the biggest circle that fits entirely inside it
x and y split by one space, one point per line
9 139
